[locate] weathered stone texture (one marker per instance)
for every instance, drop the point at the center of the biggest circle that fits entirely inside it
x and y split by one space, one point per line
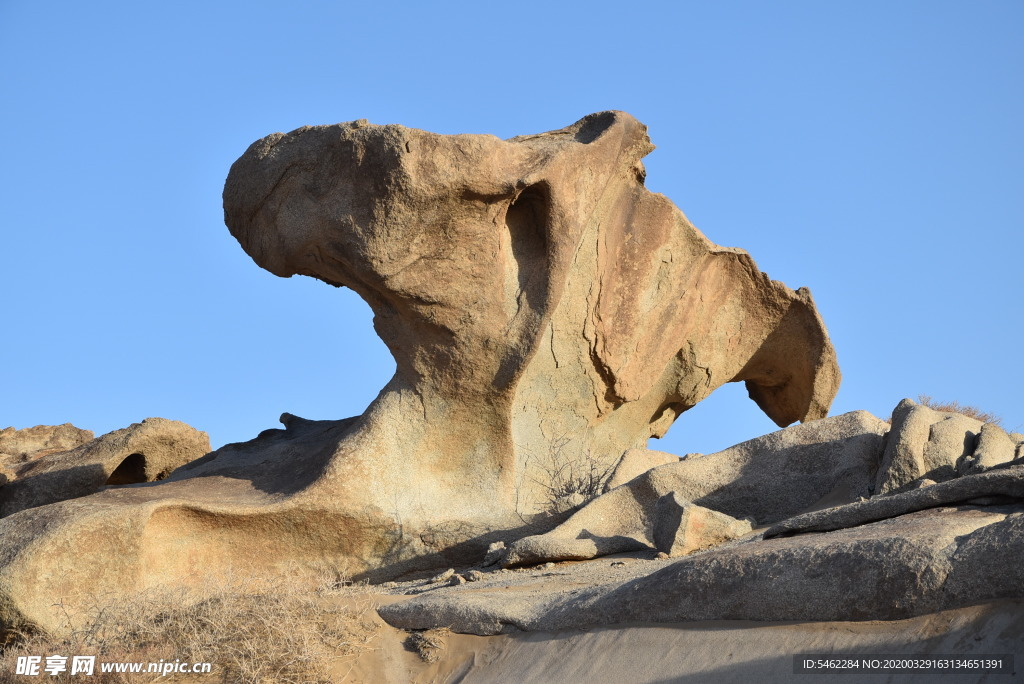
144 452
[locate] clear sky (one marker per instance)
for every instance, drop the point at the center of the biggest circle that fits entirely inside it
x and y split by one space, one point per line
872 151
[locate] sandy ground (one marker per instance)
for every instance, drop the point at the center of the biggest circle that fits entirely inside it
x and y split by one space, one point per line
728 651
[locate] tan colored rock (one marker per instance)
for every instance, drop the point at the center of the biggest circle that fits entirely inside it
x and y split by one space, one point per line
18 446
546 313
924 443
682 527
805 467
144 452
636 462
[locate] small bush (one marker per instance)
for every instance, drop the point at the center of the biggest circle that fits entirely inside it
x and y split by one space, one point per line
561 480
428 645
253 631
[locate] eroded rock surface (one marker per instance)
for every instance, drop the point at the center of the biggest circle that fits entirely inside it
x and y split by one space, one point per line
911 565
143 452
818 464
546 313
19 446
682 527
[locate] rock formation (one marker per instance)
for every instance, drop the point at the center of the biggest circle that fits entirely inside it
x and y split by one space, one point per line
546 313
21 446
938 445
853 554
767 479
892 569
144 452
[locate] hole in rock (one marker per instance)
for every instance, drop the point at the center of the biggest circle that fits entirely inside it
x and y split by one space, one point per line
132 470
725 418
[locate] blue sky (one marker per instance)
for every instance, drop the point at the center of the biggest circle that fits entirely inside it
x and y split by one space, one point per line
872 151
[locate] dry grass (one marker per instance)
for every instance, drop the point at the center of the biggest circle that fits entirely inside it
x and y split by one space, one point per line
956 407
253 631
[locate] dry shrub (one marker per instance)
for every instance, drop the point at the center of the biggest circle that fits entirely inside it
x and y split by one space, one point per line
429 644
565 482
956 407
253 631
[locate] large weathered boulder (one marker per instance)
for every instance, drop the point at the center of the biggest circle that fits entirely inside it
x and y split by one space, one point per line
994 448
143 452
546 313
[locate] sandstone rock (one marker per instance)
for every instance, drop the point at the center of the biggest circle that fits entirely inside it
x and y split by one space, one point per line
924 443
636 462
18 446
546 313
145 452
898 568
821 463
681 527
537 237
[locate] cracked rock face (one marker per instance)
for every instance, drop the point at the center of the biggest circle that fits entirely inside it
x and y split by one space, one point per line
546 313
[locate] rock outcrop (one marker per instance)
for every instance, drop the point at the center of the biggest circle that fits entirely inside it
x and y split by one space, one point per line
818 464
682 527
546 313
892 569
938 446
20 446
921 546
144 452
542 306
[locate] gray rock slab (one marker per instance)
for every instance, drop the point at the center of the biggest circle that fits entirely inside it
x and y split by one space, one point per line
739 652
1007 482
893 569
